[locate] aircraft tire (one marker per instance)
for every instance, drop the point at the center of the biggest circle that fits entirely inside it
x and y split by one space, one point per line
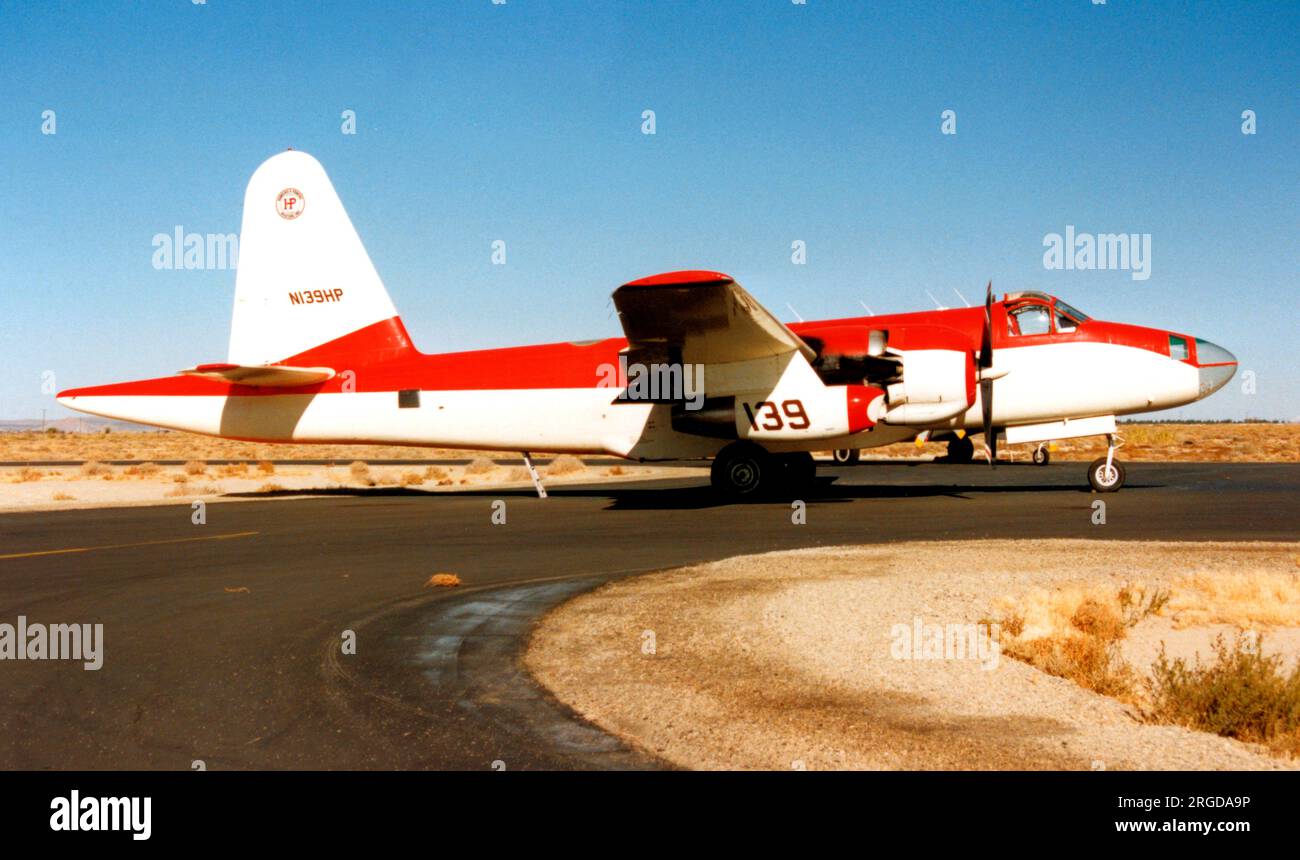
743 470
961 450
1103 482
846 456
1042 456
798 471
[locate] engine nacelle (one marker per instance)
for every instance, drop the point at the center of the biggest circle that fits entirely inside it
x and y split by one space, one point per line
936 385
822 412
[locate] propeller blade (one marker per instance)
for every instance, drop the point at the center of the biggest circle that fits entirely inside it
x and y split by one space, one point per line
986 385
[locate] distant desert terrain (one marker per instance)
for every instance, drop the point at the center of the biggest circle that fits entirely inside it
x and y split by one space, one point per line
157 468
148 467
1244 442
1216 443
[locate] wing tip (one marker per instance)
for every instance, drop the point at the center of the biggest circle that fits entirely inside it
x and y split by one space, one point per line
684 278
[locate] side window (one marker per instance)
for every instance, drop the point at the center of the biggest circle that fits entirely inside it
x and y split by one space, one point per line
1064 323
1032 319
1177 348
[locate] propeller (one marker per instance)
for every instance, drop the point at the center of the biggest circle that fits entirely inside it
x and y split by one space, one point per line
986 380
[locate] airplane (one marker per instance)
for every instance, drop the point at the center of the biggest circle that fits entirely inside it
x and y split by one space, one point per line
318 353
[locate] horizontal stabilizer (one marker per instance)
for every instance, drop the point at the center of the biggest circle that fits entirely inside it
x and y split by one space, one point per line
268 375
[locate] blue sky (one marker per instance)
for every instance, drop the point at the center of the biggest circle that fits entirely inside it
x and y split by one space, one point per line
775 122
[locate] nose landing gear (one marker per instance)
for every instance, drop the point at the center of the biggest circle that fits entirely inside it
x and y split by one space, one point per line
1106 474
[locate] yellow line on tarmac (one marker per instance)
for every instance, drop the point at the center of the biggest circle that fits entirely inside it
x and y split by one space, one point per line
126 545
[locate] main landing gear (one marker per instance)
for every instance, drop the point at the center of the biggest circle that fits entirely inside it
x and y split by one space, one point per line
1106 474
744 470
846 456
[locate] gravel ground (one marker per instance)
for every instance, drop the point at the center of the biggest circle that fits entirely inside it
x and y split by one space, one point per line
788 660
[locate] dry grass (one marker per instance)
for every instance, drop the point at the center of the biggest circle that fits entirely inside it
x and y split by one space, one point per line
443 580
1075 632
64 497
27 474
266 467
412 479
518 473
1242 694
1247 600
614 471
175 445
194 467
94 469
271 487
565 464
435 473
480 466
360 471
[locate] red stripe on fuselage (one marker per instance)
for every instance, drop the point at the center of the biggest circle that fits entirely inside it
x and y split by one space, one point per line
382 358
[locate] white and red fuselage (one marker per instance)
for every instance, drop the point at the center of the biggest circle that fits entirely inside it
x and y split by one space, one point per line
319 354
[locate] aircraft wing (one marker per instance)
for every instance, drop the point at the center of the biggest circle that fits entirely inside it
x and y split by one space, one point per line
700 318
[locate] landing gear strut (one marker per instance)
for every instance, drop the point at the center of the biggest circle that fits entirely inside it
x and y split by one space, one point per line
1042 456
1106 474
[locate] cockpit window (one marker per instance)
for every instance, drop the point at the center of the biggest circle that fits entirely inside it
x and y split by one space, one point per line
1030 319
1177 347
1079 315
1064 323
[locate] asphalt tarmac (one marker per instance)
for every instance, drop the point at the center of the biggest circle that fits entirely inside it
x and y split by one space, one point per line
223 642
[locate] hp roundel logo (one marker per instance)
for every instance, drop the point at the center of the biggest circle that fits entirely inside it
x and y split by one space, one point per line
289 203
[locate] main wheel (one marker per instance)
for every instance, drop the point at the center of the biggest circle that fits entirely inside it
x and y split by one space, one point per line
847 456
798 471
961 450
742 470
1106 479
1042 456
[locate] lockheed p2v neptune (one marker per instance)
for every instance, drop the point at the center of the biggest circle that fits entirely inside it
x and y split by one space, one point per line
318 353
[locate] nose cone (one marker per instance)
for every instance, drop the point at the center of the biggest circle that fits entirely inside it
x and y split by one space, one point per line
1215 367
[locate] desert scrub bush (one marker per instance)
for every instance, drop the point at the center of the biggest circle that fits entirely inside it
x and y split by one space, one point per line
480 466
360 471
195 467
93 469
1075 633
270 487
435 473
233 470
614 471
27 474
64 497
266 467
142 470
1243 694
565 464
411 479
518 473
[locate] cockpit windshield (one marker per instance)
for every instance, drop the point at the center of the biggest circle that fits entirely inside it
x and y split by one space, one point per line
1079 315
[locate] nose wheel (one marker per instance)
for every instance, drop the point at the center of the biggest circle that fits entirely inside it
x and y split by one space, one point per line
1106 474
